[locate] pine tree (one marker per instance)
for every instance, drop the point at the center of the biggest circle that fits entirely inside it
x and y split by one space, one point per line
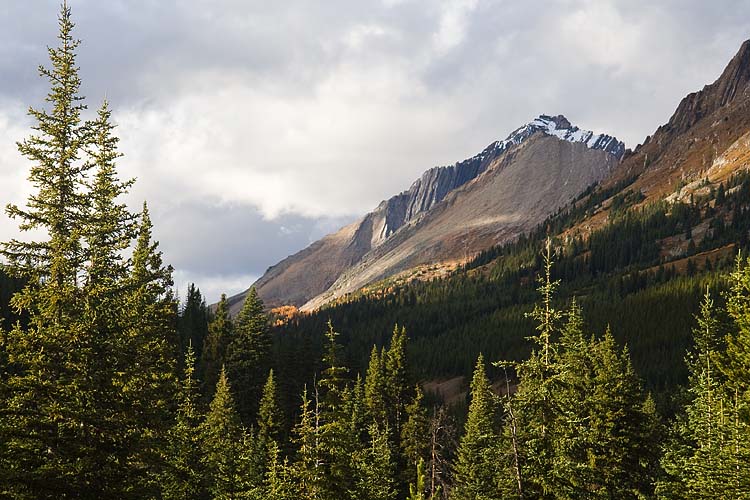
307 469
215 346
735 366
337 443
227 452
373 468
270 418
247 357
151 347
193 320
110 226
395 380
535 400
692 456
184 474
623 425
415 431
476 469
375 388
75 422
572 472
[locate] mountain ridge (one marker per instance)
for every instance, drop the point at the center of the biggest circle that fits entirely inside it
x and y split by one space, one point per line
291 281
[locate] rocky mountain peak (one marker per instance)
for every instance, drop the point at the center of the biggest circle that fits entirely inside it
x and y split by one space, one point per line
731 86
560 127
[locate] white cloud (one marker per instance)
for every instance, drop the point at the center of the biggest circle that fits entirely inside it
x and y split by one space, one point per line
301 115
454 21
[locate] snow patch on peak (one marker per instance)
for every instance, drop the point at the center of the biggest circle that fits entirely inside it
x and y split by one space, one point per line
559 126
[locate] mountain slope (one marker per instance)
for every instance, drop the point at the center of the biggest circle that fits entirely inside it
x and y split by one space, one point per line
702 127
312 271
515 194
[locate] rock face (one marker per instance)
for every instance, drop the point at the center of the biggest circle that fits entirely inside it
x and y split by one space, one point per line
449 212
515 194
704 125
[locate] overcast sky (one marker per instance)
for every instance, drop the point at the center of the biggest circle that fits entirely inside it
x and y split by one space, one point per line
255 127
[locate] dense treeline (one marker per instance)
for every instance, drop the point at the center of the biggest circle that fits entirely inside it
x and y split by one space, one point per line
110 389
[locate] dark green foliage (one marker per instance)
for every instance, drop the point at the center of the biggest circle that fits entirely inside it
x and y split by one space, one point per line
270 418
476 468
227 448
215 346
415 442
192 324
88 380
247 356
184 475
374 469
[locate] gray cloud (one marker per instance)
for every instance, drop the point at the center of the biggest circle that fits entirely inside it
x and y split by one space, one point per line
254 127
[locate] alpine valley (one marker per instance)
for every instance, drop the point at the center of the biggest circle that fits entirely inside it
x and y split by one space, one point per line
557 317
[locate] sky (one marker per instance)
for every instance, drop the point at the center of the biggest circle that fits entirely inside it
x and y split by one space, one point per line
254 128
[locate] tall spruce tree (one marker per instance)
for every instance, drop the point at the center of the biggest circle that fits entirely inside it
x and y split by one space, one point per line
148 377
307 468
247 358
336 440
396 381
215 347
373 468
535 400
624 427
415 442
735 366
375 392
80 419
184 476
270 419
475 471
226 448
193 321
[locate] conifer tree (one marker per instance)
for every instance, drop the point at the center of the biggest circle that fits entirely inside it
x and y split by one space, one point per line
110 226
572 472
151 346
373 468
247 358
279 481
476 468
735 366
396 380
193 320
415 431
535 399
307 469
336 439
75 422
375 388
227 452
215 346
270 418
184 476
623 425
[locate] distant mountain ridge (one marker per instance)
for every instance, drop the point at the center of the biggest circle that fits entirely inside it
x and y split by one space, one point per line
309 273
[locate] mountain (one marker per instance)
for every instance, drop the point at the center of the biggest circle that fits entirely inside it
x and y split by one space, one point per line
704 125
449 212
703 144
637 252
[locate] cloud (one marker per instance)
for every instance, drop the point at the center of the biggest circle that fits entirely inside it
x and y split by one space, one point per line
253 127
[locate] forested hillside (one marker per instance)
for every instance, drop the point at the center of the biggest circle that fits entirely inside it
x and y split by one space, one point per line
614 364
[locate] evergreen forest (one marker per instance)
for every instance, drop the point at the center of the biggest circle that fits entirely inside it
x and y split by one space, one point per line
594 367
